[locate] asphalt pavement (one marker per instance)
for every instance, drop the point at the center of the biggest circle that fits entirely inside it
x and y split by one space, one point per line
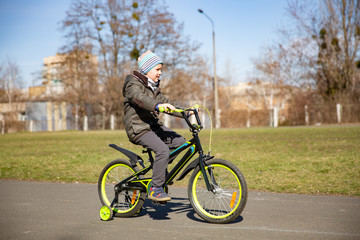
35 210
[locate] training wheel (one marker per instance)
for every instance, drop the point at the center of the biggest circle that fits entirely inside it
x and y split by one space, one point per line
106 213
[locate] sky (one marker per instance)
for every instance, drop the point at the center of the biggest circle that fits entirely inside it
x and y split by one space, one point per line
30 31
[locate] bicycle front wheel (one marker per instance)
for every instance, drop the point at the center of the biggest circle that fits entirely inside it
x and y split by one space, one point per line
125 203
228 198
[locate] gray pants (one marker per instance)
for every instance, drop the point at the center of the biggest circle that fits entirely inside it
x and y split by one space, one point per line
161 142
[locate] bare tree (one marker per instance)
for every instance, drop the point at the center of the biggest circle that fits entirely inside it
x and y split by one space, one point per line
333 31
10 81
269 83
119 31
80 79
318 58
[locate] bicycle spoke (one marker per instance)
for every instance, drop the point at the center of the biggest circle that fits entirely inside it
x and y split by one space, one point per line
123 202
220 204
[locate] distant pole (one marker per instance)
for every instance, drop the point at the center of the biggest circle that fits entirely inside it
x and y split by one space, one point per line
2 125
338 112
31 127
306 115
215 86
276 116
112 122
85 123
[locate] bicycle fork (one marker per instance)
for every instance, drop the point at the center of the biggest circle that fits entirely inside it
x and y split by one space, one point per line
210 187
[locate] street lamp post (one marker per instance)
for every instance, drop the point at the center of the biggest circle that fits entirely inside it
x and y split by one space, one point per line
215 83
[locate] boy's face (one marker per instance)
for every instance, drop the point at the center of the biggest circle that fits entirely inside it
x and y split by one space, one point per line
155 73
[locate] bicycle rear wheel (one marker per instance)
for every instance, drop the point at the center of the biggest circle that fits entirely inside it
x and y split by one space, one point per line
228 199
129 202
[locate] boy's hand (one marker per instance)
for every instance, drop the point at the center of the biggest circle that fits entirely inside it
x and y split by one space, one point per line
167 106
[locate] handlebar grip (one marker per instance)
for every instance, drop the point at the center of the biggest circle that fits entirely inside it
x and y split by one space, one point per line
197 126
163 109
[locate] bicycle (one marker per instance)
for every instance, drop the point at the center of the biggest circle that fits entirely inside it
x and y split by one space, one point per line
217 189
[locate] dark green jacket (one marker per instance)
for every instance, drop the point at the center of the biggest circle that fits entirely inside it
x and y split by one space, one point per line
140 114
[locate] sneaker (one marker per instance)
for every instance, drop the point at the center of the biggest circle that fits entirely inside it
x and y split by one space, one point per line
158 194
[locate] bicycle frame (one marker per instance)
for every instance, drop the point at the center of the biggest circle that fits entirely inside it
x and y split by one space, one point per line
136 182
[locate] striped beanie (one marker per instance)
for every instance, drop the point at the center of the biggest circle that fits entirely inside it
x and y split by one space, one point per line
148 61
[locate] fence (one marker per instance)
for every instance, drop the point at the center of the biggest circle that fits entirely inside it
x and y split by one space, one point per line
305 115
292 116
324 114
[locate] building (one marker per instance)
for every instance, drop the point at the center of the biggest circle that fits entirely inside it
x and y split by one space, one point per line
256 101
54 70
48 116
12 117
45 108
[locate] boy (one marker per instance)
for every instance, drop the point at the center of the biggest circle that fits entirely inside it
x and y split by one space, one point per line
142 99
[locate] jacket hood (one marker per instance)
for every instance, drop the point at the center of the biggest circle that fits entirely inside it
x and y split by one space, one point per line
143 78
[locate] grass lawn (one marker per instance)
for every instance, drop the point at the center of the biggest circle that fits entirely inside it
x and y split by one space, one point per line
309 160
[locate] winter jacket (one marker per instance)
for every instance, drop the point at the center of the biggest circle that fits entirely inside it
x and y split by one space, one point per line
140 101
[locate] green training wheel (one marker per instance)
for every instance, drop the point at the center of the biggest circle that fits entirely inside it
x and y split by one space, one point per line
106 213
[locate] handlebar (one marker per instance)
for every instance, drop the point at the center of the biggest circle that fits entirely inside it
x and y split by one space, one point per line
163 109
193 127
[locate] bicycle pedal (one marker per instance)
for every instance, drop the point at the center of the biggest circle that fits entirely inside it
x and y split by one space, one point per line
159 202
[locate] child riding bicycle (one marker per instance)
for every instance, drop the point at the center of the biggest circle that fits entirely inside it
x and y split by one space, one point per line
142 100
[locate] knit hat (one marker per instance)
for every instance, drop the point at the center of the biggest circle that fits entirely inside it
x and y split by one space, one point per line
148 61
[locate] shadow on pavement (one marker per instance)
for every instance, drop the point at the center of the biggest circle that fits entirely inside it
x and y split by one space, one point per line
177 206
